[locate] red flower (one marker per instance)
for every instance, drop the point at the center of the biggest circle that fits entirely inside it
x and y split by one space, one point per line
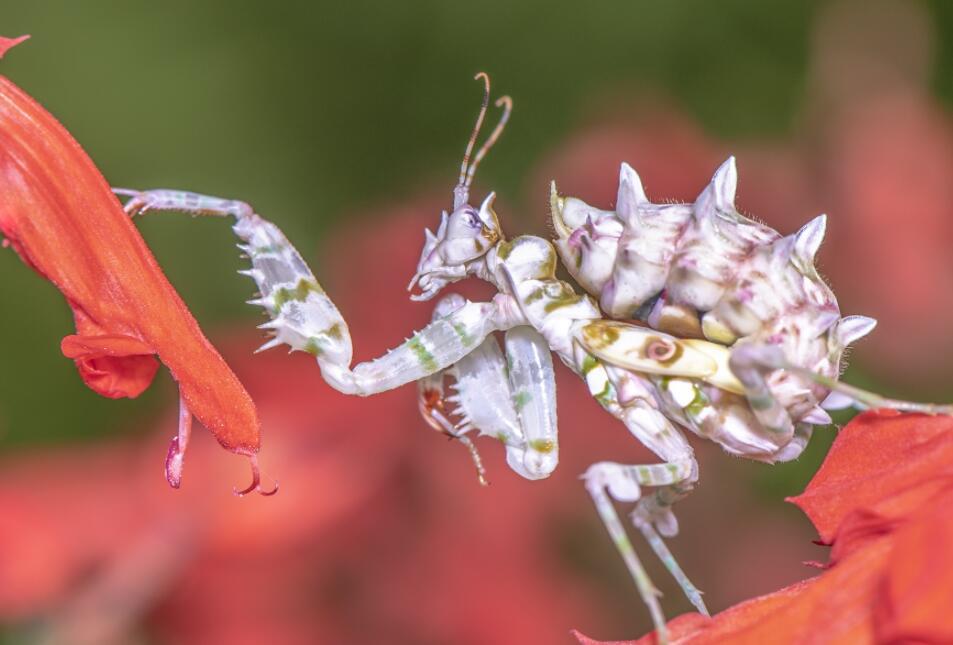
59 214
882 499
373 503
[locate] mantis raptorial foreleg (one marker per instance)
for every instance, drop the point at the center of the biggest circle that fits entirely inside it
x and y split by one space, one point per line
532 386
304 318
511 398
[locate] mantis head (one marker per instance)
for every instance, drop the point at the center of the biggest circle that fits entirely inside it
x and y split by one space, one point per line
467 233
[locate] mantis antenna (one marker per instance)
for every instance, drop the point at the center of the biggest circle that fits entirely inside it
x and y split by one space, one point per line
507 104
461 192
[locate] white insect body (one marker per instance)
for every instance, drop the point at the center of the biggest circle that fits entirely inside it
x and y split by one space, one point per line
705 271
736 338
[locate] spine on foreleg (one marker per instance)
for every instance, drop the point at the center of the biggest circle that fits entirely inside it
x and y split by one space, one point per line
302 315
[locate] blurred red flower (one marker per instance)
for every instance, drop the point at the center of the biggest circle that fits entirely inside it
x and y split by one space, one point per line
871 147
381 532
60 215
882 499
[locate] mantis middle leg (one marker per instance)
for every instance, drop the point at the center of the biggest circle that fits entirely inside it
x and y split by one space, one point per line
673 479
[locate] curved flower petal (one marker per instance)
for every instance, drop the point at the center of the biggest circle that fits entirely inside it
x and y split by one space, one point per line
883 500
60 215
113 366
917 592
878 455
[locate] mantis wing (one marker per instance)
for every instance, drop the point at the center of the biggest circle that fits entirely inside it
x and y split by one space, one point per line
648 351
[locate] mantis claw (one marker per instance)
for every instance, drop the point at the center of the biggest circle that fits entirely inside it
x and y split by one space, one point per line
255 485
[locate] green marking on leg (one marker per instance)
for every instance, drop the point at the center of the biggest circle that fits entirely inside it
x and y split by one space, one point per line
282 296
589 363
334 331
622 543
465 337
548 268
312 347
521 399
562 301
299 293
267 249
605 396
544 446
534 295
762 402
423 354
698 403
600 335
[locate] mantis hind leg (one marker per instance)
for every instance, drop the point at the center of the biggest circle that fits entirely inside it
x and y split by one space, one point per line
607 481
752 363
673 480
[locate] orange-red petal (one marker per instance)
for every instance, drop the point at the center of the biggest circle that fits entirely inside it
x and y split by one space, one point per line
113 366
60 215
916 594
878 455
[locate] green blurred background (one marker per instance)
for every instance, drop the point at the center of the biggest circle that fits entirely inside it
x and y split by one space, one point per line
316 111
312 110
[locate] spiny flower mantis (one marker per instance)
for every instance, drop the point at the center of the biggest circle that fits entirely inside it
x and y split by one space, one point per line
697 319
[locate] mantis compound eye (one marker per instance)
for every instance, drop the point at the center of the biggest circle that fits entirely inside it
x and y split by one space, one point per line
472 219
